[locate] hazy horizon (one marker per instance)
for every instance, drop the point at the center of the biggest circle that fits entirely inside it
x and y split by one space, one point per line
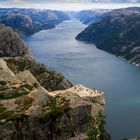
65 4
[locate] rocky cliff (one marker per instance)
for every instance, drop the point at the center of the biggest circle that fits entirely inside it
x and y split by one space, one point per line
19 58
28 111
11 44
49 79
118 33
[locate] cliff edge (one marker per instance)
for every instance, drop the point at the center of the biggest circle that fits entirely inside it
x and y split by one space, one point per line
29 111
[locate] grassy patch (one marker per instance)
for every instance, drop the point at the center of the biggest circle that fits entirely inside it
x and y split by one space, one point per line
2 108
55 109
96 129
2 85
16 92
11 115
27 86
6 115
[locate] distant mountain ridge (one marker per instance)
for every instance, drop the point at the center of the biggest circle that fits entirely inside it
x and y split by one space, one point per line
90 16
118 32
29 21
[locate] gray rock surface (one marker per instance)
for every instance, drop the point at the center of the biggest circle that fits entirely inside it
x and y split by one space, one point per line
29 112
11 44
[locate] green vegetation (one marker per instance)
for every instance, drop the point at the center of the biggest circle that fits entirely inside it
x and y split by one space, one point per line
11 115
47 78
27 86
96 129
56 108
2 108
6 115
53 113
23 104
16 92
2 85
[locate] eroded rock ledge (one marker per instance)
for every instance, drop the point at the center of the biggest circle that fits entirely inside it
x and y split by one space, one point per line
29 111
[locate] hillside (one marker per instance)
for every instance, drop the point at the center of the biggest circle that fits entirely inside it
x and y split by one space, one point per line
90 16
117 33
29 21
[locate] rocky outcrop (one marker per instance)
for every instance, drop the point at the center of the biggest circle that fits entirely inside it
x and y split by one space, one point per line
28 111
11 44
117 33
29 21
49 79
19 58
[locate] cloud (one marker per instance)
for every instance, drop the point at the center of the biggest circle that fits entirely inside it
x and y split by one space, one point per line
69 1
68 4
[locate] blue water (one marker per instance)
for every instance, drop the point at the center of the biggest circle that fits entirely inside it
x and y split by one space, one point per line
83 63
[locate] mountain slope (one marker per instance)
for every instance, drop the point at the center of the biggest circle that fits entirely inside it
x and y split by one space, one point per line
90 16
29 21
118 33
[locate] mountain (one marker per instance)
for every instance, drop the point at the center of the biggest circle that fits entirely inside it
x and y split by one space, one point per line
90 16
29 21
11 44
117 32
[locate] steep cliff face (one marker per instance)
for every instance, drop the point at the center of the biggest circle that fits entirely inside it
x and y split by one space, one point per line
118 33
29 21
11 44
28 111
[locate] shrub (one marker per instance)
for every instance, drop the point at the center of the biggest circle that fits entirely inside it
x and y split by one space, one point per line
2 108
96 129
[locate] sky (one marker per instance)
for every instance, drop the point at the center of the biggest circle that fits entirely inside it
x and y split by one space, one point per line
70 4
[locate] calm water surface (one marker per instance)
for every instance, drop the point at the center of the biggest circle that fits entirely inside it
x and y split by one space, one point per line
85 64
